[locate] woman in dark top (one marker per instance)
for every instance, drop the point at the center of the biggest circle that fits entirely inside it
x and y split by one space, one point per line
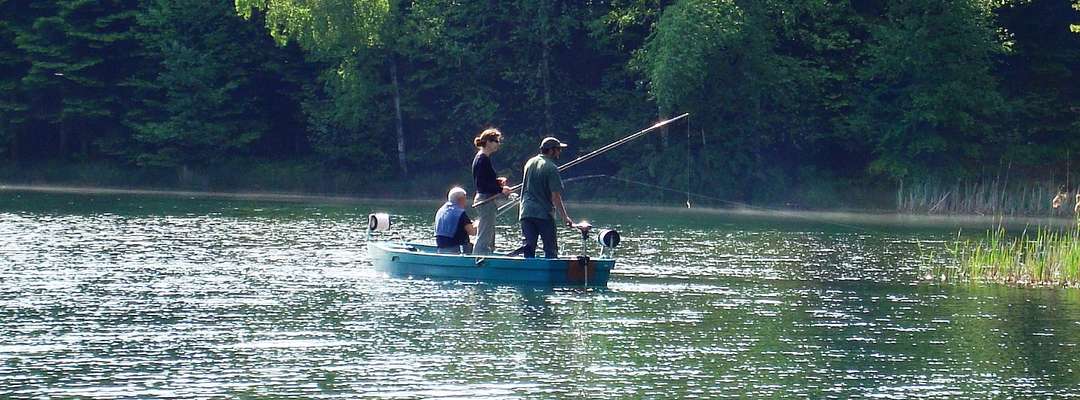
487 186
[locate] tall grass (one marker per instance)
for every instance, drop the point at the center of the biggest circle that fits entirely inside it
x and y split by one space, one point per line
997 197
1043 257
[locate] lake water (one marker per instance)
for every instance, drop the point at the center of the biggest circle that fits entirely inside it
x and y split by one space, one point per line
105 296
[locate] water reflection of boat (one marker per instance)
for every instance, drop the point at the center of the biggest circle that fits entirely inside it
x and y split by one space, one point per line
401 259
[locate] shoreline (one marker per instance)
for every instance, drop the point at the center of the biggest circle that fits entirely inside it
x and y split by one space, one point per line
260 196
868 217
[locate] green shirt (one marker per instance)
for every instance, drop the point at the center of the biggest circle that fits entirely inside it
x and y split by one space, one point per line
541 180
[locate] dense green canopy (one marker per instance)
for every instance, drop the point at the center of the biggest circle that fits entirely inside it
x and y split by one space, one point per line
786 97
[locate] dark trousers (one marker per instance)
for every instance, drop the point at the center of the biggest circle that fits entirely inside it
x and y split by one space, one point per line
545 229
460 249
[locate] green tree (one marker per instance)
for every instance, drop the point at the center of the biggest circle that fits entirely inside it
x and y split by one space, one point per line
618 102
348 35
1075 28
341 112
79 57
433 85
763 79
13 66
445 69
930 99
529 67
209 96
1038 75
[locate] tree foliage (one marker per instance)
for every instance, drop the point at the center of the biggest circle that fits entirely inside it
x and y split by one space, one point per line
1039 73
77 57
328 28
764 78
204 102
13 65
928 98
783 95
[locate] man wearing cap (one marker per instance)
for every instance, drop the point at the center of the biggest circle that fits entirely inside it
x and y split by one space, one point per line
541 195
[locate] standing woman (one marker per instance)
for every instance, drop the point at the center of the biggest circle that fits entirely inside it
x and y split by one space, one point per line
487 186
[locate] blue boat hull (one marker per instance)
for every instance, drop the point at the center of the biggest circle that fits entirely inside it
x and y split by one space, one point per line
421 261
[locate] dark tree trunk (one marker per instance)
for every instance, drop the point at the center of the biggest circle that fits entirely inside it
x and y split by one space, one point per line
13 145
397 114
184 175
663 129
84 146
545 68
62 140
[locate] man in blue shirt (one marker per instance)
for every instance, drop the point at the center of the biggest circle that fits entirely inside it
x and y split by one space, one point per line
452 225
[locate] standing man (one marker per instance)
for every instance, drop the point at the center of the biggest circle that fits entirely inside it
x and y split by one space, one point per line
541 196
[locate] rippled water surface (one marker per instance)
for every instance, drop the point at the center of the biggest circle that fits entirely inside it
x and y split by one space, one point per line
105 296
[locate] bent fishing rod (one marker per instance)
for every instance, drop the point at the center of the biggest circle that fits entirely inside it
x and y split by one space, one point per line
589 156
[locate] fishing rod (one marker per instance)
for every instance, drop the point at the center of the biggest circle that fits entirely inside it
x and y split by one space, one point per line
588 156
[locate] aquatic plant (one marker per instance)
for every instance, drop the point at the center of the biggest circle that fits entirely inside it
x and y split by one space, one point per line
1042 257
996 197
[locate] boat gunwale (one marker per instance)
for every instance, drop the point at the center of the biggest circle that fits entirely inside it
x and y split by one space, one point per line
398 247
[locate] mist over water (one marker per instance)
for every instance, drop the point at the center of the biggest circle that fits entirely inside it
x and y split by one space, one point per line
105 296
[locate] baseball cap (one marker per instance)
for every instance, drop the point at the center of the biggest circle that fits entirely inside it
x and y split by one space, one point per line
551 143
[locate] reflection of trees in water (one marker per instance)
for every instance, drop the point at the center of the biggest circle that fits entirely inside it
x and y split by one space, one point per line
1018 336
769 338
1033 330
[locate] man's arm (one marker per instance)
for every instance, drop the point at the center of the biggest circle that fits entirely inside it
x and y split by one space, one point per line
469 225
556 200
555 185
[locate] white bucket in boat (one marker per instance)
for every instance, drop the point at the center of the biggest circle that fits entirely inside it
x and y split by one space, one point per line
609 238
378 222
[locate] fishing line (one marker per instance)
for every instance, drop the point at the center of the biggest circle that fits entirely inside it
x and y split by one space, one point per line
720 200
568 180
502 209
688 157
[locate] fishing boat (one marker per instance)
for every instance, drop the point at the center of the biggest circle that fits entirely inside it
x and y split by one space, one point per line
401 259
415 260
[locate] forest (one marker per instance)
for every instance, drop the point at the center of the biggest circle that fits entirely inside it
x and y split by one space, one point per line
811 103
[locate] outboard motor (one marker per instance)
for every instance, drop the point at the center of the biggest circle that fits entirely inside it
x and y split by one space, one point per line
584 227
609 239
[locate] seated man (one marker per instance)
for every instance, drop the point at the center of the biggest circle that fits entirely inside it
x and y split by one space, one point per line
452 225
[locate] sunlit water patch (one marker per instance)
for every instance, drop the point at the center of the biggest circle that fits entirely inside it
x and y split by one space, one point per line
105 297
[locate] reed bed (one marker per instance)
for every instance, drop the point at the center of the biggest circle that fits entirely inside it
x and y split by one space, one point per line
985 198
1043 257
